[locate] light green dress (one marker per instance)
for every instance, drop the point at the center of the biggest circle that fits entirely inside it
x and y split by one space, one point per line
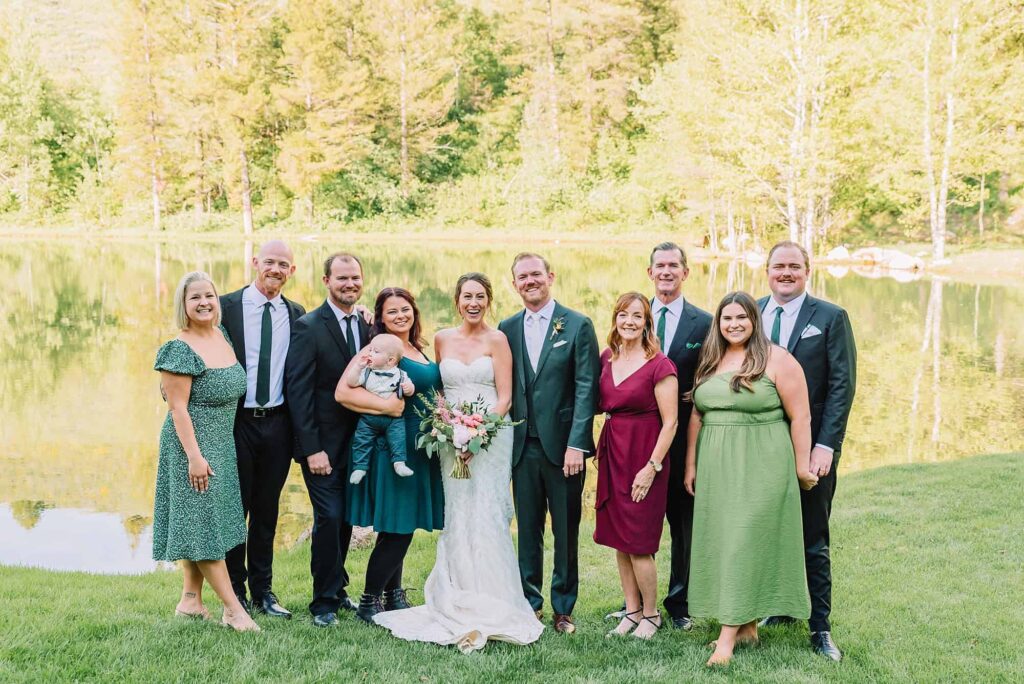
186 524
748 557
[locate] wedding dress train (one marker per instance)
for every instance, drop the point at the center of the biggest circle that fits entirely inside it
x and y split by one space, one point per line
474 592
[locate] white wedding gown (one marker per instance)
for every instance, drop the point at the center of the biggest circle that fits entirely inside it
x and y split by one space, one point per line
474 593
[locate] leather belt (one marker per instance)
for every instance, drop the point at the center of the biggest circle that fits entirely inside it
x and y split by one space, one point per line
262 412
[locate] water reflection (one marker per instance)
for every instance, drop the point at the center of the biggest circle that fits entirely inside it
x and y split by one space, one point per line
941 372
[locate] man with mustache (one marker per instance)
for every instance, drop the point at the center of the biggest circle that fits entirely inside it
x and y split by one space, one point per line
259 320
818 334
323 343
554 394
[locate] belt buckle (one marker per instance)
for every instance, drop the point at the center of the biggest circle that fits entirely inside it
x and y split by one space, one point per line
259 412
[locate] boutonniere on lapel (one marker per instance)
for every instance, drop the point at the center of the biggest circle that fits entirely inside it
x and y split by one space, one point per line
557 326
693 345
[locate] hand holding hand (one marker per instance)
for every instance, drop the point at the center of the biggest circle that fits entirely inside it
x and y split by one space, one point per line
821 461
808 480
690 480
642 483
199 474
318 463
573 462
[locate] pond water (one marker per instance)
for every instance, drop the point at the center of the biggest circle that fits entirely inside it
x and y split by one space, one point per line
941 367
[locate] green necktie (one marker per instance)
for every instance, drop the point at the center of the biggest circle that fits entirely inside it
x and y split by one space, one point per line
350 336
777 326
661 327
266 346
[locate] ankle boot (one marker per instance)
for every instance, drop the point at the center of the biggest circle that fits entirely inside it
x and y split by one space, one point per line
369 605
395 599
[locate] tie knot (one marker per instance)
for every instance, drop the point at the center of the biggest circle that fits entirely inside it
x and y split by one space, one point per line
268 305
779 310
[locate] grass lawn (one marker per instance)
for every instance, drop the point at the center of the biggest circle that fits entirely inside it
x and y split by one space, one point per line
929 586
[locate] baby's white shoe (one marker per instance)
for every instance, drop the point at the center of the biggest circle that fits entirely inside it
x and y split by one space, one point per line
357 476
402 469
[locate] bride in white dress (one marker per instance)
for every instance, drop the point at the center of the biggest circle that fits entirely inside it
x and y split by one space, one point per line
474 592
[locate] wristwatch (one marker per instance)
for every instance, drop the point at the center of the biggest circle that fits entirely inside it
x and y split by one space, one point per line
657 466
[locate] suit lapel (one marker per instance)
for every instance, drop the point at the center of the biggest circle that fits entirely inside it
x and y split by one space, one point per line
549 337
802 319
683 330
517 344
235 324
331 321
293 311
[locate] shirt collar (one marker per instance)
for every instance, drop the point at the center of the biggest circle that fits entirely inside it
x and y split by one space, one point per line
546 312
675 307
253 296
791 307
338 313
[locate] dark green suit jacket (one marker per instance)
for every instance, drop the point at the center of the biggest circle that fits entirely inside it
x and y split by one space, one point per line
564 391
822 342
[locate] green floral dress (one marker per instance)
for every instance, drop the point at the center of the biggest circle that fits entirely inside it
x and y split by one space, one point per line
186 524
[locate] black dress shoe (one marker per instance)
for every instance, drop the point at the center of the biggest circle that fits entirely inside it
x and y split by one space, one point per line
775 620
683 623
346 604
369 605
269 605
395 599
325 620
823 644
246 603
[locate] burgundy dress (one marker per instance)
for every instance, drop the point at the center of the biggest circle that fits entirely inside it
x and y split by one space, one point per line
626 443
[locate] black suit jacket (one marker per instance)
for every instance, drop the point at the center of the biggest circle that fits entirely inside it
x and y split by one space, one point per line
317 356
684 352
232 320
829 360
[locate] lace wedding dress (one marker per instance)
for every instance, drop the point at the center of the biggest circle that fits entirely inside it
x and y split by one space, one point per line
474 593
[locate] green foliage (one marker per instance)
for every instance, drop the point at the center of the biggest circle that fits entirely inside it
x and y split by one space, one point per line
733 121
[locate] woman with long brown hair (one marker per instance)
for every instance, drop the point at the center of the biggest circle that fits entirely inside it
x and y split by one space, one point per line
639 392
395 506
745 466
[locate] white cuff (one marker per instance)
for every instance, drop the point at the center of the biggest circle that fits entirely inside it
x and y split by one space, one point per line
582 451
826 448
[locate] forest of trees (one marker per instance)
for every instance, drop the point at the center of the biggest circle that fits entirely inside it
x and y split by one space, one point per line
828 121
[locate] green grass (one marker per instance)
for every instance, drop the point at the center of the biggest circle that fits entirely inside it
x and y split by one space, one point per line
928 587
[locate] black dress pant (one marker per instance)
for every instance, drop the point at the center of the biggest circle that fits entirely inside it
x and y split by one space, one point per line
679 513
816 507
264 447
331 533
384 568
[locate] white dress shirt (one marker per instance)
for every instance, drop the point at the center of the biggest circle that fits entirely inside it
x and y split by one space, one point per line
790 310
341 316
252 320
535 328
674 312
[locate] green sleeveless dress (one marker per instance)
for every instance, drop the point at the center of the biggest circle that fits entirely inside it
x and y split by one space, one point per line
748 557
188 525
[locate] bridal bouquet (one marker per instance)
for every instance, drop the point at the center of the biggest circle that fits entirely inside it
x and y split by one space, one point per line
460 429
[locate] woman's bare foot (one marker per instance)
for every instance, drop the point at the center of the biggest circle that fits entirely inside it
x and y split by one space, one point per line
191 605
239 621
723 652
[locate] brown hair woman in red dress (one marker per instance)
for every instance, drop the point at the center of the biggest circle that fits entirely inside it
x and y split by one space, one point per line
639 394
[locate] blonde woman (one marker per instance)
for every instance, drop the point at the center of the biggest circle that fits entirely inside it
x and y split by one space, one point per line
745 466
197 514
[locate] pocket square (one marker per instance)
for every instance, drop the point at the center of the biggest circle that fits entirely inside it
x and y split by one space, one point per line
809 331
559 344
693 345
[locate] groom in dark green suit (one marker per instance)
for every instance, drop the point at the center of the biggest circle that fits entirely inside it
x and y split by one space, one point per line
819 336
556 368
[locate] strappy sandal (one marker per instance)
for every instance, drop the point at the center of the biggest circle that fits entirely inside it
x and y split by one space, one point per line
625 616
657 625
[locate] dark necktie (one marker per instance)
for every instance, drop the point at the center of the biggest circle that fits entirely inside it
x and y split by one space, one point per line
350 335
777 326
266 346
661 326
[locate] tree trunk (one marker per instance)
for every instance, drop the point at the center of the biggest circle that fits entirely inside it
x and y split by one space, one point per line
730 226
403 105
939 233
246 194
556 137
713 227
981 206
926 123
199 200
796 133
151 117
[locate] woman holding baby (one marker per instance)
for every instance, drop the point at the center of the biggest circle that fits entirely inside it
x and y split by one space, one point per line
388 498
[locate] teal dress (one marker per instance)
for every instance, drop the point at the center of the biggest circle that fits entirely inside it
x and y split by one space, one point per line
402 505
188 525
748 553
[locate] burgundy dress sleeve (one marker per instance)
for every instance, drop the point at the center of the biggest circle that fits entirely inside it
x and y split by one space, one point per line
663 367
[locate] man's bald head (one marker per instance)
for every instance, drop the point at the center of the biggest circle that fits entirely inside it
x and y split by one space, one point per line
274 265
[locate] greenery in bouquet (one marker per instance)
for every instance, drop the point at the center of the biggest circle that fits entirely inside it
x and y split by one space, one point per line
462 429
